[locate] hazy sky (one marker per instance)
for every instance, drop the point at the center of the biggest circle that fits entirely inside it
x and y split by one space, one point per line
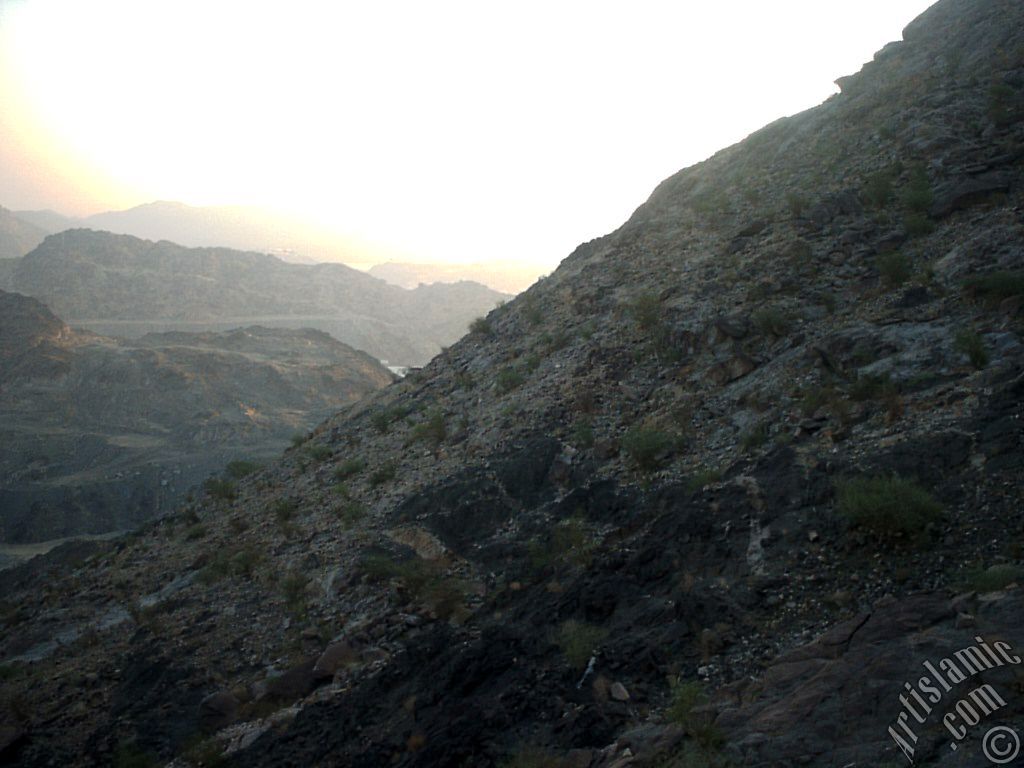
444 130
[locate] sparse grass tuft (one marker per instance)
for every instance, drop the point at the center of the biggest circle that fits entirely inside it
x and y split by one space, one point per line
239 469
508 379
995 286
349 468
579 641
894 268
772 321
220 488
970 343
647 448
433 431
385 473
995 578
645 309
887 506
481 327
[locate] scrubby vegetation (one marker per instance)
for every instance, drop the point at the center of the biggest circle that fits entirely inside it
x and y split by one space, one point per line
887 506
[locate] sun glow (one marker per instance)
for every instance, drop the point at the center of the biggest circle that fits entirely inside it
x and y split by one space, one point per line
449 131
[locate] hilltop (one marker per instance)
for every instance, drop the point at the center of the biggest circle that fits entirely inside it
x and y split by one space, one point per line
705 496
124 286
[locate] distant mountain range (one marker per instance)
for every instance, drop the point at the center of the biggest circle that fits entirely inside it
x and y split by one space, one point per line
508 277
125 286
229 226
98 434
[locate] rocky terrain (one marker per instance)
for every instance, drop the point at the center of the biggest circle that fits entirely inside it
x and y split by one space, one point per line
119 285
99 435
708 495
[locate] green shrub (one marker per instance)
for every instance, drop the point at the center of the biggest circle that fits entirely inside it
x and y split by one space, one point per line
239 469
195 532
320 452
796 203
917 195
583 434
533 757
970 343
349 468
871 387
647 448
686 697
298 440
385 473
995 578
220 488
433 431
702 478
917 224
293 588
878 188
508 379
532 312
351 513
645 309
754 438
887 506
579 641
772 321
995 286
894 268
481 327
132 756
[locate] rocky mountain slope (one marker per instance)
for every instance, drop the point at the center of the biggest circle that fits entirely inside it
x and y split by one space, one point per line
123 286
17 237
708 495
510 278
99 435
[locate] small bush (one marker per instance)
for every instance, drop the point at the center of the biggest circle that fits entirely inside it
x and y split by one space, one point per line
239 469
320 452
583 434
220 488
195 532
754 438
508 379
686 698
796 203
647 448
772 321
351 513
131 756
894 268
433 431
917 224
349 468
917 196
645 309
293 589
481 327
702 478
995 286
579 641
298 440
878 188
887 506
995 578
284 509
383 474
970 343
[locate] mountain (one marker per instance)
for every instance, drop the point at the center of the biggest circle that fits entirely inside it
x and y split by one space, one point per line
507 277
50 222
710 494
100 435
17 237
123 286
228 226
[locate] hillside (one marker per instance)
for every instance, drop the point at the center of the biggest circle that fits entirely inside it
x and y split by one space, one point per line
511 278
100 435
123 286
708 495
17 237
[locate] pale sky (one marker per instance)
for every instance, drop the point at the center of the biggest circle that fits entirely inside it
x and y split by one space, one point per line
446 131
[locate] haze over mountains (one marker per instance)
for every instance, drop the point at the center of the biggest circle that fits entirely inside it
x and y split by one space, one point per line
98 434
124 286
707 496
